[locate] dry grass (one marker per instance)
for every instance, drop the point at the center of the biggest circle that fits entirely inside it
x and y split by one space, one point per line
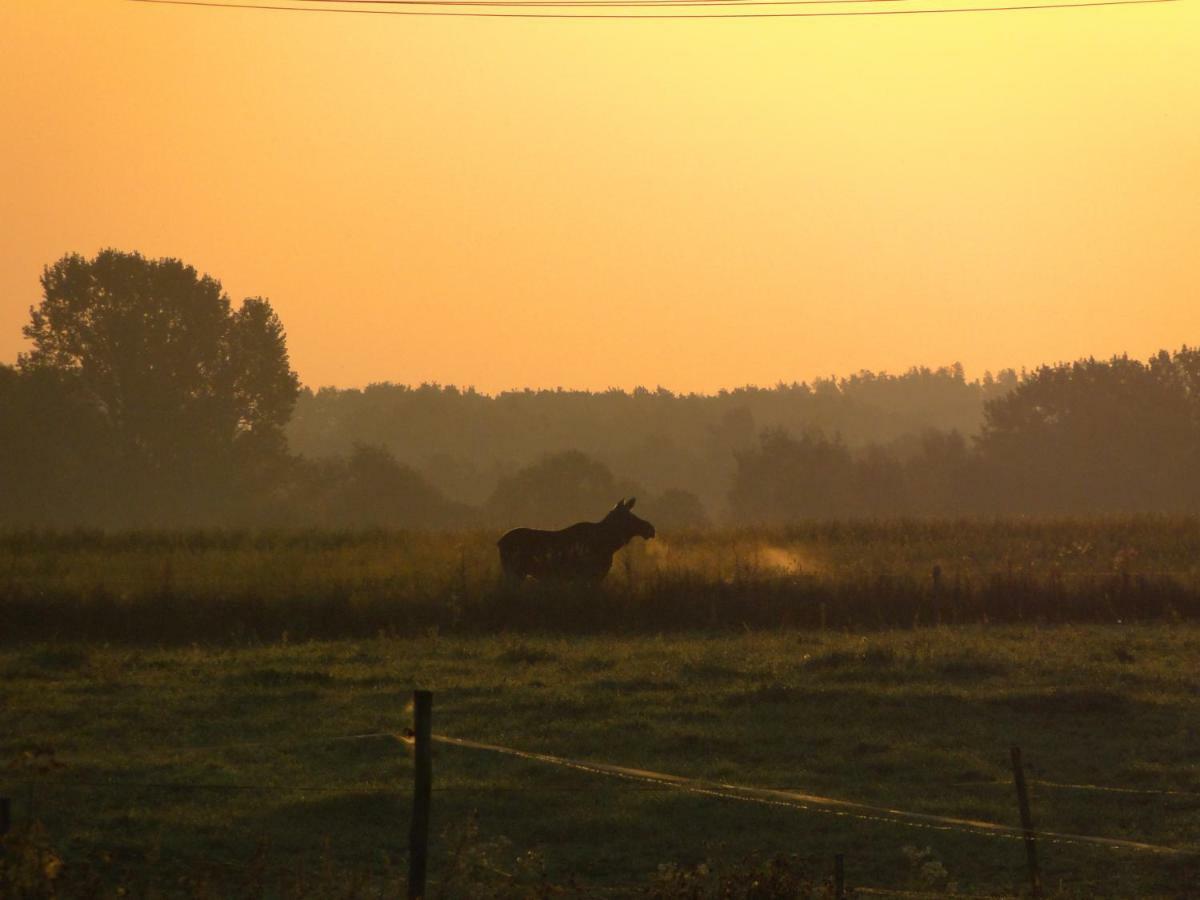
243 586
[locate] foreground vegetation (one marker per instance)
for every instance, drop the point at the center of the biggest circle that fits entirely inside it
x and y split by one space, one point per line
209 771
238 586
173 706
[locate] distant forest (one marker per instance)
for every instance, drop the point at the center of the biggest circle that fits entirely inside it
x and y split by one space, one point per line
149 400
468 444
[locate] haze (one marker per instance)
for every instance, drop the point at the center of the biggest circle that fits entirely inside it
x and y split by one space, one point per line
506 203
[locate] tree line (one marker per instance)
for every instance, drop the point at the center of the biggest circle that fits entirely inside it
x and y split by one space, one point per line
148 399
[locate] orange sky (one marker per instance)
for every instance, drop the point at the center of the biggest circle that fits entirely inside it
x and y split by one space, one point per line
589 204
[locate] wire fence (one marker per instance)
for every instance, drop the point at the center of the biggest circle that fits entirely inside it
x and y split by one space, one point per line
813 802
631 778
1098 788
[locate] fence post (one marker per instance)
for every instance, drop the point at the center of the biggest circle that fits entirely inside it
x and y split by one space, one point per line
5 819
936 594
839 877
418 836
1035 880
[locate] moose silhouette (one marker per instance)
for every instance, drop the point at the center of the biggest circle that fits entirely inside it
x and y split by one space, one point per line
581 552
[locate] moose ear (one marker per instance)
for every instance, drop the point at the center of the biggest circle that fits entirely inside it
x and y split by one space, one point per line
629 503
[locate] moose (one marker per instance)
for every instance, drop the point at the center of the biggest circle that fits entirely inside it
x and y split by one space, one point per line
581 552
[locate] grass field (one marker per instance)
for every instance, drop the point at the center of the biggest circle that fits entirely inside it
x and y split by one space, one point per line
914 719
171 703
239 587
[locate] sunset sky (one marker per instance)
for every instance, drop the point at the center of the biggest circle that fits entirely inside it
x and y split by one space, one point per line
694 204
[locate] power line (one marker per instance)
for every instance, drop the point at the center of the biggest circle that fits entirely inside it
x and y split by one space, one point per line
573 4
630 16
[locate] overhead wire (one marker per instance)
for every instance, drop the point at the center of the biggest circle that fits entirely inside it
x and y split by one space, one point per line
335 10
572 4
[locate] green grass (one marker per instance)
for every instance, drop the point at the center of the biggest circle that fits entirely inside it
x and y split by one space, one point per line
909 718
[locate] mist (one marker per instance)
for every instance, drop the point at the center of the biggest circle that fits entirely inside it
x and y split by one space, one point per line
166 404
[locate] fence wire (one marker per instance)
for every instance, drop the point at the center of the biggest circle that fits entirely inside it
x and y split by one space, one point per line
1100 788
652 781
816 803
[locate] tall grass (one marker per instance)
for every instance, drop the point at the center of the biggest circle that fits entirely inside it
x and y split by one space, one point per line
280 585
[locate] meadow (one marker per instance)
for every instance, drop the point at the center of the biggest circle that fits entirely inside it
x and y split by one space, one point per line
164 750
230 586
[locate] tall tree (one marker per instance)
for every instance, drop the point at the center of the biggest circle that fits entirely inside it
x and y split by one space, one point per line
187 386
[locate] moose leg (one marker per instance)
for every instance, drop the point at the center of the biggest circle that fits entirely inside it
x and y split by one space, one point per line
512 572
514 577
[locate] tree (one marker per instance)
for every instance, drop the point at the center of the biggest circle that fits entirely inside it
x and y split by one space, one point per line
786 479
674 510
943 476
189 389
368 488
380 491
55 460
560 489
1096 436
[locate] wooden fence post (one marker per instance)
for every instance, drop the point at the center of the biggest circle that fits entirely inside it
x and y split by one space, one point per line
5 818
1035 879
418 836
936 594
839 877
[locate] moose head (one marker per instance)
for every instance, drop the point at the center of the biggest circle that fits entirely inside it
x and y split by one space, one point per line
622 517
